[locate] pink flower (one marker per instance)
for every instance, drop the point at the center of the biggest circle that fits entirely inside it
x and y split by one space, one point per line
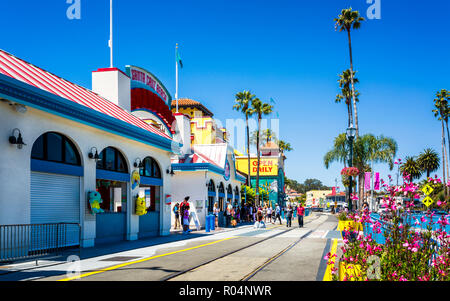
406 244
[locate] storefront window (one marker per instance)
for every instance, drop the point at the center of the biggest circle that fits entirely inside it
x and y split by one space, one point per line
114 195
152 196
56 148
150 169
111 159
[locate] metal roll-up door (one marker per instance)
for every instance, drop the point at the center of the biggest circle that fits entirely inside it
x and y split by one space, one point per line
55 198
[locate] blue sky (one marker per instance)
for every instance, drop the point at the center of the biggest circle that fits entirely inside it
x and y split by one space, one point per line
287 50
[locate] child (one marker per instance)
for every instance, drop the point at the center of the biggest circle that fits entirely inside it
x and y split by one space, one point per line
186 222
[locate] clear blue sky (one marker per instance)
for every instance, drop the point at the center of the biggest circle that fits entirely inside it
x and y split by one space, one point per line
287 50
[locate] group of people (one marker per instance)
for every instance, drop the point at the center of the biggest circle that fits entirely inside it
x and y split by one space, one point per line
235 215
181 211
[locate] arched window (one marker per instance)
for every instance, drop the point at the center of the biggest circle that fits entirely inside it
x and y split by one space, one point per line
221 188
150 168
236 191
211 186
229 191
55 147
112 159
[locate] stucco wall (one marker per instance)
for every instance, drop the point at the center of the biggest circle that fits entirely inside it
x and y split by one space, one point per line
15 166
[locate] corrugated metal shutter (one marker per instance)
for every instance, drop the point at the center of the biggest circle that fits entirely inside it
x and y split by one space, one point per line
56 199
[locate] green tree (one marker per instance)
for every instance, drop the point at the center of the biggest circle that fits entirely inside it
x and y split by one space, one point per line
350 19
284 147
441 103
259 109
266 136
428 161
411 168
242 104
346 92
367 149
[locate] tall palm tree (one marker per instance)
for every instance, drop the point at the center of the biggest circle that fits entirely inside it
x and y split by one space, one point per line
259 109
428 161
350 19
367 148
442 111
411 168
346 92
242 104
284 147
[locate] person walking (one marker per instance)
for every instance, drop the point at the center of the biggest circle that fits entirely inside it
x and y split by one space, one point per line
269 213
184 209
300 214
289 212
227 213
277 214
176 212
216 214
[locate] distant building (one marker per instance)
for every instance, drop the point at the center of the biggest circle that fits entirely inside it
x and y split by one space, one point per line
291 194
316 198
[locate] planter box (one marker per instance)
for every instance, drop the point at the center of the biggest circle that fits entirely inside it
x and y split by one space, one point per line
353 272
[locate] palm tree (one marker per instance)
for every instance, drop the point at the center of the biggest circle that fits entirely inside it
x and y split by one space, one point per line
346 94
428 161
284 147
367 148
259 108
442 112
266 135
243 104
347 20
411 168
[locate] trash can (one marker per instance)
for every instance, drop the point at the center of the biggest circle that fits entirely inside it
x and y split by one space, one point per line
207 223
212 221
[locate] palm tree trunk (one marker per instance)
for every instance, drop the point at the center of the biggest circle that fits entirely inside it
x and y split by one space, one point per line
248 153
349 109
443 158
258 156
353 84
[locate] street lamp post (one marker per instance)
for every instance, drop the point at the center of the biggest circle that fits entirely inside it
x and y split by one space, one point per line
351 132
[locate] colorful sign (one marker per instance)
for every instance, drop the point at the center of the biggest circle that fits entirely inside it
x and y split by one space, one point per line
227 173
427 189
135 179
267 166
142 77
168 199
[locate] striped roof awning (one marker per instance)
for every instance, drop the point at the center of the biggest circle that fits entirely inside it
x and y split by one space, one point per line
21 70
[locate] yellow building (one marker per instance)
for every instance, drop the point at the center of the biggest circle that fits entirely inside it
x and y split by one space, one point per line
316 198
203 127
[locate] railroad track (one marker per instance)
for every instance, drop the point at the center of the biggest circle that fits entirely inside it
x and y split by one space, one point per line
259 268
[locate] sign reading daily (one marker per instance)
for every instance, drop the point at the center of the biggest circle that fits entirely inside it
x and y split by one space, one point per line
148 80
267 166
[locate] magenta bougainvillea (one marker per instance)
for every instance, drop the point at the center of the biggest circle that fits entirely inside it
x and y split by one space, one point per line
350 171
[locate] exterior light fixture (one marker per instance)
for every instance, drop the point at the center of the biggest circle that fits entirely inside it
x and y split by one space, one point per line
17 141
171 172
93 155
136 164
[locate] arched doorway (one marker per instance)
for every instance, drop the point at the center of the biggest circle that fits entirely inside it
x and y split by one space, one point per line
237 198
150 187
221 191
230 195
211 196
56 173
112 184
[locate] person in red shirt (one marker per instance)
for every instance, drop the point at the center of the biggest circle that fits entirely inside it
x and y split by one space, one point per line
300 214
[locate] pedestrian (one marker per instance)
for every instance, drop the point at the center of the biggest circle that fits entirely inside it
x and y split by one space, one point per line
289 212
216 214
300 214
277 214
264 213
269 213
238 215
184 207
176 211
227 213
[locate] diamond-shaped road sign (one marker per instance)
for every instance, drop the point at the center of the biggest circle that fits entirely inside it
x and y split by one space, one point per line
427 189
427 201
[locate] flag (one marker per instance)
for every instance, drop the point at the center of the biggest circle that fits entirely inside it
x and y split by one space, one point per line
367 181
178 58
333 191
377 181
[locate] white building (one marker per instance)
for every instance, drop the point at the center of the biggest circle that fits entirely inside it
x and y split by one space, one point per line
206 173
79 141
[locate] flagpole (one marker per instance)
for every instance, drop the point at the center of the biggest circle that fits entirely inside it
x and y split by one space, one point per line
176 73
111 32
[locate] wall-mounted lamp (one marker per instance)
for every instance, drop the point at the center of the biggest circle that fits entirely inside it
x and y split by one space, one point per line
171 172
17 141
138 163
93 155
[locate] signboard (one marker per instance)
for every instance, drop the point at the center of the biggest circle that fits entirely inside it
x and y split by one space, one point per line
226 175
427 189
142 78
267 166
